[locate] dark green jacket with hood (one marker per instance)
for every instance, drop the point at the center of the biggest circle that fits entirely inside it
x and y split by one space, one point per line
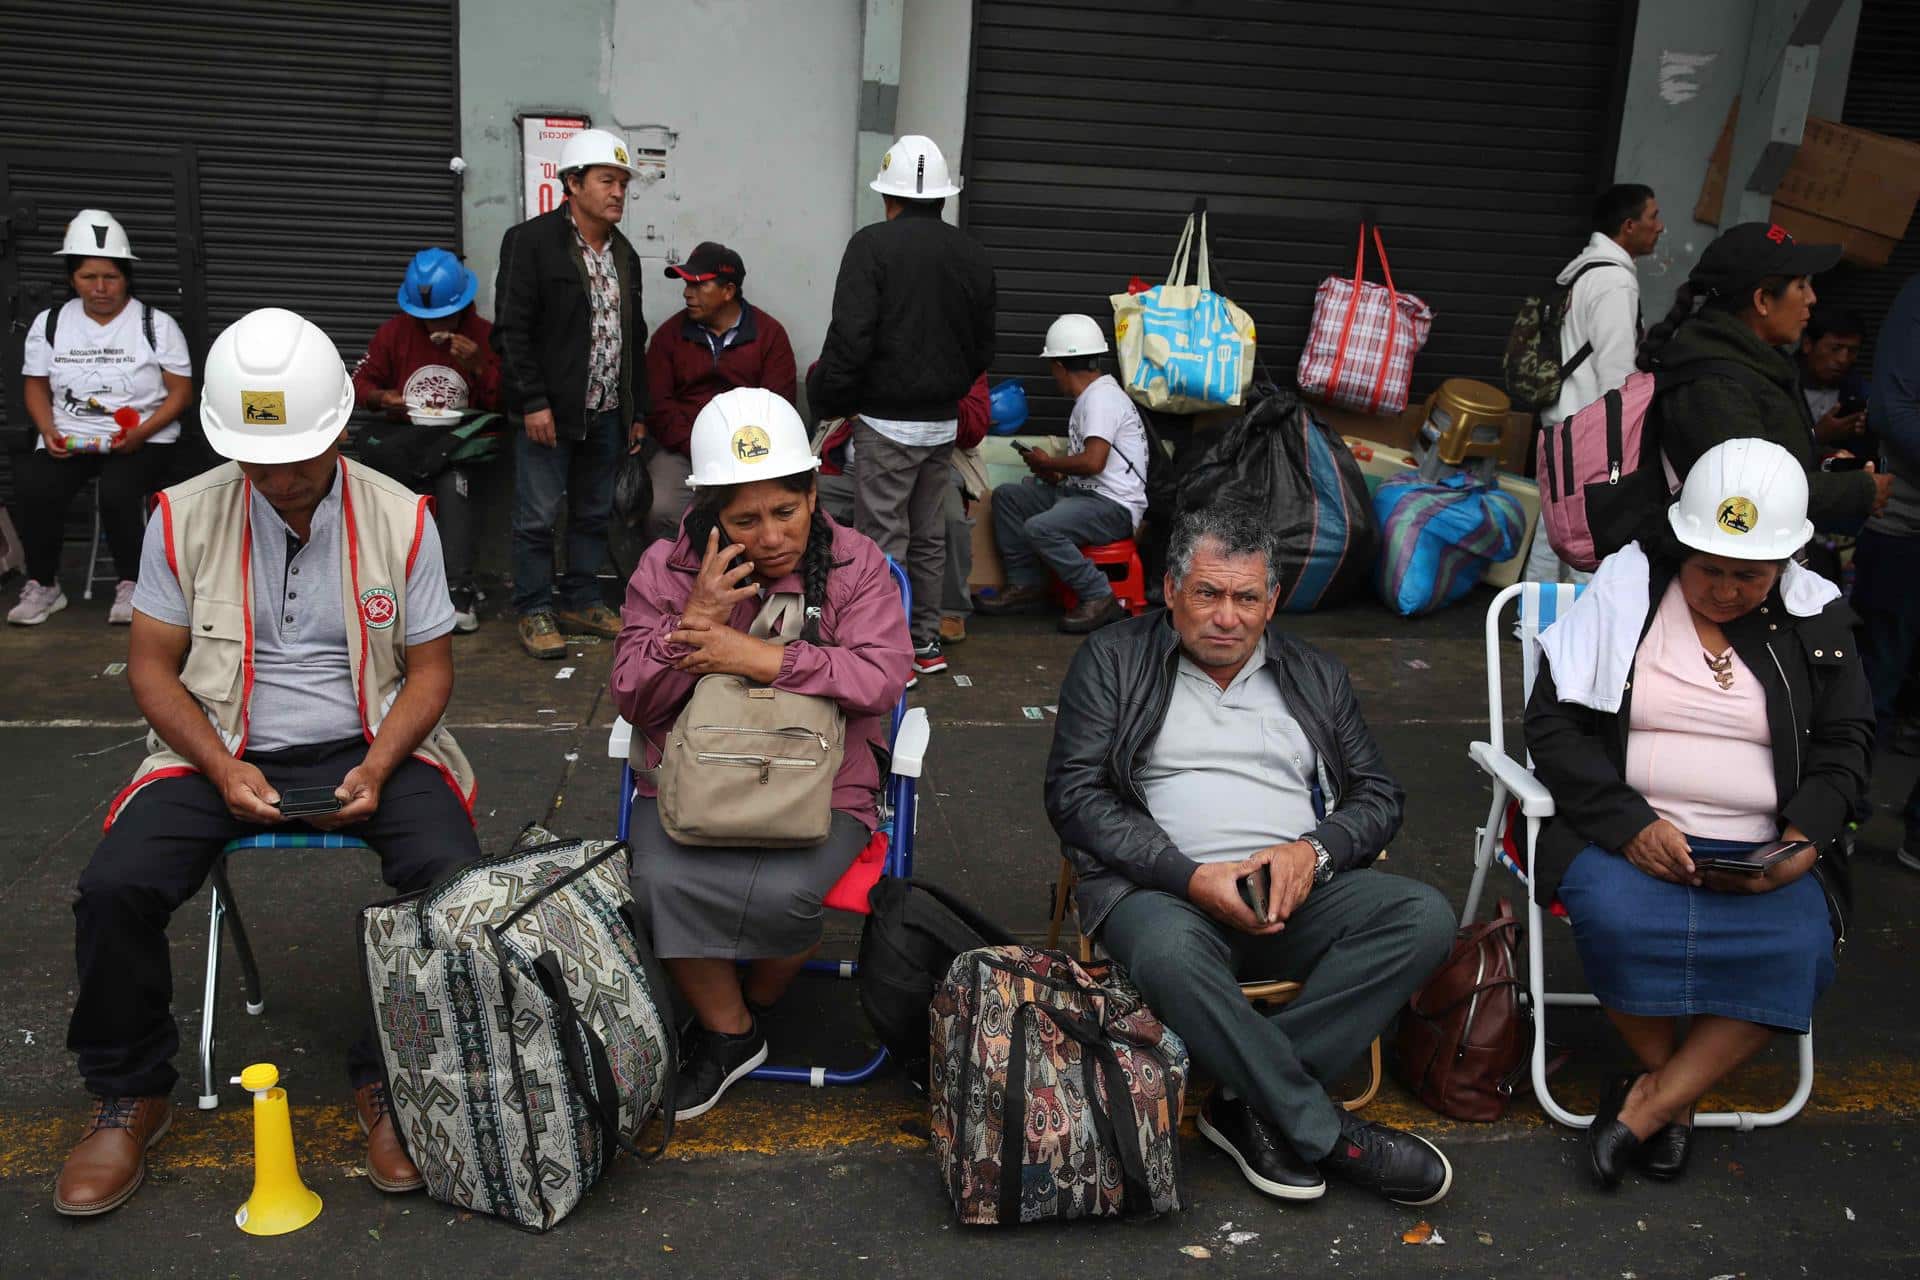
1760 398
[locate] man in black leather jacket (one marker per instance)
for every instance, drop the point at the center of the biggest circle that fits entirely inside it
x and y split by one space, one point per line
1217 790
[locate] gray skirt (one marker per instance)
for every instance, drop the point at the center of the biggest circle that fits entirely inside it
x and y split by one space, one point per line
715 903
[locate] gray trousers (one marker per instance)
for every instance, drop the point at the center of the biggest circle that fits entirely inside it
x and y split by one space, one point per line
1040 526
1360 944
836 495
669 471
899 493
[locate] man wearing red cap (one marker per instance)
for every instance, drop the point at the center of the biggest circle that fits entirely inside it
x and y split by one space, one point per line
719 342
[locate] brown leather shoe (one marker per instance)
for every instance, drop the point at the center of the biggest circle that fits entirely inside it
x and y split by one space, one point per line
1091 615
108 1166
1006 600
540 636
953 630
594 620
387 1165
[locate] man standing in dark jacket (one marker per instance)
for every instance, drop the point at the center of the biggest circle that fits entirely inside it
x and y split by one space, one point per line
1216 788
570 336
913 316
719 342
1887 558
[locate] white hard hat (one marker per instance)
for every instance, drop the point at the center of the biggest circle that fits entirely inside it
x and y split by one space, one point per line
914 169
275 391
1073 335
596 146
1744 499
747 434
95 233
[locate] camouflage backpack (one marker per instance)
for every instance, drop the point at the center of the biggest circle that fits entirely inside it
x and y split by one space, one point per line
1532 368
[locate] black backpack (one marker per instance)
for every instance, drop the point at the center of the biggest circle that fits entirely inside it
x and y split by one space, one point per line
909 942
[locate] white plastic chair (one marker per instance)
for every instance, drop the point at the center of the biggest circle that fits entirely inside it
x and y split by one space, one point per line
1539 605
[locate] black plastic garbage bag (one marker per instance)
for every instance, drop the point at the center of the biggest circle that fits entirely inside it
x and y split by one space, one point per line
632 499
1281 460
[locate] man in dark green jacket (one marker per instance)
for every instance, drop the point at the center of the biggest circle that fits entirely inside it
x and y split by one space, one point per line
1726 369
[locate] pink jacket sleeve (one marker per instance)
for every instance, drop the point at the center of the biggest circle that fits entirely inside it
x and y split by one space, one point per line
867 665
646 688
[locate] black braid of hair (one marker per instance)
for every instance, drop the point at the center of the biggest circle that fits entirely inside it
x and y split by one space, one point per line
816 562
1647 359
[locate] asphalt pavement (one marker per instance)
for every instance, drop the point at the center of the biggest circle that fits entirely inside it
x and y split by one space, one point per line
782 1180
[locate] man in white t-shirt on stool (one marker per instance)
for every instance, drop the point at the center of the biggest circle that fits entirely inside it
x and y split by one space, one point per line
1095 494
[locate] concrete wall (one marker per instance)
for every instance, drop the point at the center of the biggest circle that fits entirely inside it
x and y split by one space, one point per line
1688 64
936 46
758 100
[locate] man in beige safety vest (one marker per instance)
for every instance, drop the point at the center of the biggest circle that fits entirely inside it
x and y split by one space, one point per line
291 653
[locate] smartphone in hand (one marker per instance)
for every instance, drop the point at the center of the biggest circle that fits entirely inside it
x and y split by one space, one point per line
1850 405
1255 887
302 802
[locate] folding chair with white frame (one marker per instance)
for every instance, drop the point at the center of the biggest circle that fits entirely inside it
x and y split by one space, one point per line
1539 605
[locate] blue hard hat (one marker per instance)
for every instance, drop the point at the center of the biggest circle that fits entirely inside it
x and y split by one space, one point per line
1008 405
437 284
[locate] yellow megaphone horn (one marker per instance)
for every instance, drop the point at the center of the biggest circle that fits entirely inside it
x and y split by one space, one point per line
280 1201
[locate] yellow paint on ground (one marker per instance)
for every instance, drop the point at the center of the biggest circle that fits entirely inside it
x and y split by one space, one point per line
773 1121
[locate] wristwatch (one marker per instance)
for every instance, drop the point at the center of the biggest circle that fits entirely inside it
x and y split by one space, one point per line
1322 860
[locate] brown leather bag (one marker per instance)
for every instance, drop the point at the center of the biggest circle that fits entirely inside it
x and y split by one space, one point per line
1463 1039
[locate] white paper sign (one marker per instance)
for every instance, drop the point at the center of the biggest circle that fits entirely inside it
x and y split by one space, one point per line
541 138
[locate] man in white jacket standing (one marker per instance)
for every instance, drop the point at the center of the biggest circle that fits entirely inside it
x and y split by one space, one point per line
1601 330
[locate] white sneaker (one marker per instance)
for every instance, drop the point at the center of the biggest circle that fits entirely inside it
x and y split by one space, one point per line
122 612
37 604
465 621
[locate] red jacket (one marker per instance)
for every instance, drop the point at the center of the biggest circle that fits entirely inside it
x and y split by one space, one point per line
683 374
402 358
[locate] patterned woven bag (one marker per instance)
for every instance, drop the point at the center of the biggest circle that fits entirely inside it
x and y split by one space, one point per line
1363 339
1055 1091
520 1020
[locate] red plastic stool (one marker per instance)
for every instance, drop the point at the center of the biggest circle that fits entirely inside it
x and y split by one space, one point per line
1120 561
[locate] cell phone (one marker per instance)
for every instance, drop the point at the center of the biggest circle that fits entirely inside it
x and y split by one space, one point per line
1254 889
1850 405
301 802
1855 463
1754 863
1022 449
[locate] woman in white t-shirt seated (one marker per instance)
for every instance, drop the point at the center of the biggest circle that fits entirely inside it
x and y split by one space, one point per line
106 378
1096 493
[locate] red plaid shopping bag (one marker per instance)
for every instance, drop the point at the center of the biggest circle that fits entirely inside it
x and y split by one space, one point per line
1364 336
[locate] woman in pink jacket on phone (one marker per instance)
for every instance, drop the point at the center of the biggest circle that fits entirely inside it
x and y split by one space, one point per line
755 530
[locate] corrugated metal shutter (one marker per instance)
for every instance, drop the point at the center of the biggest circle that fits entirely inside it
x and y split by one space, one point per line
1476 134
1880 97
322 128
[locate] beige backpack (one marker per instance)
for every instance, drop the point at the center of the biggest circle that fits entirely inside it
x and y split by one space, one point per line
747 764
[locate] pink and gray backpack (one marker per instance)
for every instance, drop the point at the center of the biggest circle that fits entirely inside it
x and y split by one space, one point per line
1602 474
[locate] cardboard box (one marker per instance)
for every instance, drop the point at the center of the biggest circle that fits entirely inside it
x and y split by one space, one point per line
1846 186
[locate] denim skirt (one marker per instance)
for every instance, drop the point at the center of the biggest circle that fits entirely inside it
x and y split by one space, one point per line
1664 950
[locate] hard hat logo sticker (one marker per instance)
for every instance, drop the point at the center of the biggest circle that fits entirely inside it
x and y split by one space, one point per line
264 408
619 153
886 160
750 444
1737 515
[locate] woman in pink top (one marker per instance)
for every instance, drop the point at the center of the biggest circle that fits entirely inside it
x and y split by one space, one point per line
1701 699
754 529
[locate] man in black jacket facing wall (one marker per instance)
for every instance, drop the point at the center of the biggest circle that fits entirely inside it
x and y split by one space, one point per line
571 341
1199 749
912 328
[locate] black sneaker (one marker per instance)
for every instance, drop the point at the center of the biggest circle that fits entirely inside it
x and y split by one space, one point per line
1402 1166
1266 1160
710 1063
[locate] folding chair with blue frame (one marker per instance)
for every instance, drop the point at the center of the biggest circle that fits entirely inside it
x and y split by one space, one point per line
1518 795
888 852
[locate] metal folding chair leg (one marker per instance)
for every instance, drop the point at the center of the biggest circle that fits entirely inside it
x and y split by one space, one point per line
209 993
249 968
820 1077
